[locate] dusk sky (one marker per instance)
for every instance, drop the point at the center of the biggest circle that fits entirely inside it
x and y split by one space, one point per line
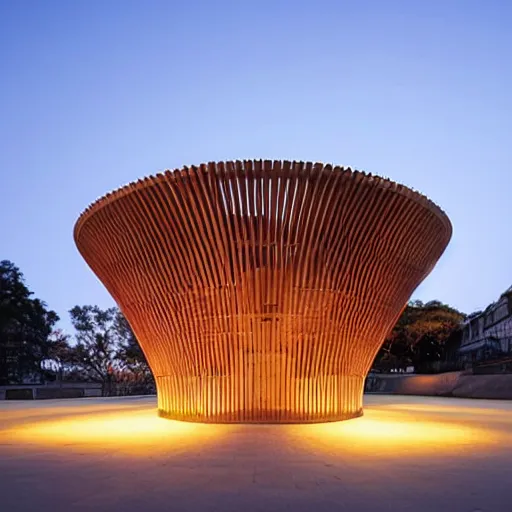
95 94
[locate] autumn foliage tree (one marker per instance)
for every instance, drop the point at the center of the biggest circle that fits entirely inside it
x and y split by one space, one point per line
420 336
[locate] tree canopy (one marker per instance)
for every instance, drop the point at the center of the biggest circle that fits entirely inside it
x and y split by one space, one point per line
420 336
25 328
106 349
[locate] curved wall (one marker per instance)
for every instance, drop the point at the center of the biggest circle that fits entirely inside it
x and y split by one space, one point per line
261 291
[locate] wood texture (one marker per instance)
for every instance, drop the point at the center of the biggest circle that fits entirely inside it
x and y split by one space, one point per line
261 291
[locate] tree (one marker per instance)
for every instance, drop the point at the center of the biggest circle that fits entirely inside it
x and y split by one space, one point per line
25 328
132 358
420 335
97 343
62 357
107 350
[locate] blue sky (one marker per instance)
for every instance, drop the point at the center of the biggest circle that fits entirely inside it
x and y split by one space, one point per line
94 94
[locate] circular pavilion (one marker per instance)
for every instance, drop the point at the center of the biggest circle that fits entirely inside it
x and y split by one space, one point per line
261 291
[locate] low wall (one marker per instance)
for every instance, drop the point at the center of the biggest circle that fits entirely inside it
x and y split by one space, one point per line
455 384
42 392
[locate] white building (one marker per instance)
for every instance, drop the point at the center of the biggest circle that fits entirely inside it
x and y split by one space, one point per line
488 334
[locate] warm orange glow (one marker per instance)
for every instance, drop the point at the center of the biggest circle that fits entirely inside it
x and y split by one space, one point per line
130 432
388 433
387 429
261 291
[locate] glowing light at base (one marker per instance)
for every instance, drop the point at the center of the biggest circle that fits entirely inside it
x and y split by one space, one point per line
385 433
130 432
261 291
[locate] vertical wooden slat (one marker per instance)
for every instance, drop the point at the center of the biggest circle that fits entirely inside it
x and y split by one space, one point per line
261 291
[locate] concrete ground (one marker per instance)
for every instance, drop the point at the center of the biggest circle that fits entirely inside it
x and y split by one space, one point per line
406 454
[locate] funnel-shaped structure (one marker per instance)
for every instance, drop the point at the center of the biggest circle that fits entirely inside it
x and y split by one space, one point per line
262 291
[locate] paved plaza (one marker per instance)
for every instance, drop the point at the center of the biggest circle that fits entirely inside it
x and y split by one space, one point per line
406 454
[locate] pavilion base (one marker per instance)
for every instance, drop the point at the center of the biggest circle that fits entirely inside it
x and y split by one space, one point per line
219 400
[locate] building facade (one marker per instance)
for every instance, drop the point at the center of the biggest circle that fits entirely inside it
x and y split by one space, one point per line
487 335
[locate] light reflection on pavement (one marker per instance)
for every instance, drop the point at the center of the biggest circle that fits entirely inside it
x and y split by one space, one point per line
406 453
